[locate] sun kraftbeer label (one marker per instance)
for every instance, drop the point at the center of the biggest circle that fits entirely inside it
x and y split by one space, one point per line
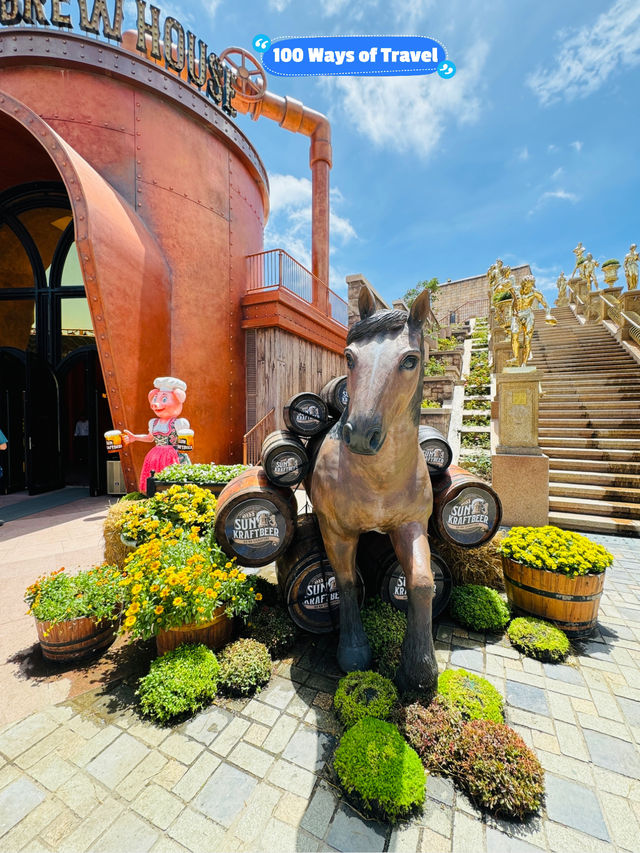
313 599
470 515
286 466
434 455
343 394
255 528
395 586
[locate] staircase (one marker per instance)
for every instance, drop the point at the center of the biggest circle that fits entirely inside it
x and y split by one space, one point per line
589 425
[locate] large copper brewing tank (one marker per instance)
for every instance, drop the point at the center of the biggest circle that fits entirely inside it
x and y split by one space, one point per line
168 198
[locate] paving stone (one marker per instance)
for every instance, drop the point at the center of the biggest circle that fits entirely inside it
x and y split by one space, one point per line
38 819
82 793
45 746
326 721
229 736
502 651
319 811
181 748
596 651
250 825
291 808
148 733
440 788
292 778
207 725
565 766
256 734
8 774
525 677
571 741
25 734
225 794
16 801
542 740
606 705
631 710
309 749
562 839
196 776
583 706
278 693
607 727
281 733
301 703
574 805
350 832
60 828
148 768
516 716
432 842
168 845
562 672
534 667
277 835
467 659
251 759
463 803
437 817
513 832
624 827
261 713
612 783
117 760
88 750
171 774
404 839
560 707
128 832
500 842
157 806
467 834
196 832
92 827
527 698
613 753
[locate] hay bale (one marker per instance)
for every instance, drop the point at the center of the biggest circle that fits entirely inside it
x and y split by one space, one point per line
115 550
481 565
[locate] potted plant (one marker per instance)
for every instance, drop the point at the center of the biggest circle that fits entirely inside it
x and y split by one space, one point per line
182 589
555 574
206 475
76 615
610 270
181 507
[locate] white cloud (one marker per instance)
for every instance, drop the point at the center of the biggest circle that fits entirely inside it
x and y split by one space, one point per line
523 154
278 5
551 148
409 13
577 145
551 195
411 113
557 174
591 54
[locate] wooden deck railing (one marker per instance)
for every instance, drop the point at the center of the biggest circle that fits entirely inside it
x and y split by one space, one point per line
252 441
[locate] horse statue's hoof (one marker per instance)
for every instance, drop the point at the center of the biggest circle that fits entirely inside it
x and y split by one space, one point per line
352 658
423 685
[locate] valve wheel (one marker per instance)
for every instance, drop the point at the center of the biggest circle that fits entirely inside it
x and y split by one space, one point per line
251 80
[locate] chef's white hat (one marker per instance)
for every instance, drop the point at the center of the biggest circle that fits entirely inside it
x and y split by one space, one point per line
169 383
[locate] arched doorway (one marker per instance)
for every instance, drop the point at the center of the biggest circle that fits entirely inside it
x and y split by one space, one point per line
50 377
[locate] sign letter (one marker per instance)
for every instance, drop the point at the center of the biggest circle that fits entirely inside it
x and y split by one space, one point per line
57 17
100 12
172 26
153 29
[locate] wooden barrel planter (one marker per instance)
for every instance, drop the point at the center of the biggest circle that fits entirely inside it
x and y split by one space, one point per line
214 634
75 639
570 603
308 582
306 414
435 448
466 510
255 520
335 395
284 458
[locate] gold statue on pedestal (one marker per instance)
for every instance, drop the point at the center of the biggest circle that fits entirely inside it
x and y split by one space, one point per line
579 253
631 267
588 271
563 300
523 319
504 282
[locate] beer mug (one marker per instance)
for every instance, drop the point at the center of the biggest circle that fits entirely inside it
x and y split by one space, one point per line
114 440
185 440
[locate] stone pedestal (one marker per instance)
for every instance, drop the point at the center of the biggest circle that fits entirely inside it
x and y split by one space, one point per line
592 307
580 289
522 484
630 305
518 389
562 301
502 353
612 294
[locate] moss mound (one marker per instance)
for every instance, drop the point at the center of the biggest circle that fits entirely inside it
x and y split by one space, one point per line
498 770
474 696
479 608
385 629
364 694
181 681
379 770
245 667
538 639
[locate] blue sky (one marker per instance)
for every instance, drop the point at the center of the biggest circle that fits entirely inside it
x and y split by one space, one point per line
532 146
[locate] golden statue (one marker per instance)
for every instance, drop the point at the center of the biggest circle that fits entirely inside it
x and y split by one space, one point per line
588 271
579 253
631 267
562 301
523 319
501 295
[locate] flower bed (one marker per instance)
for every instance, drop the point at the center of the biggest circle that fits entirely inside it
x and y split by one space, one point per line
181 507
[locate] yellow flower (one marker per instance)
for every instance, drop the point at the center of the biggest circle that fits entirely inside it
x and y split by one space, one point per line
158 610
178 601
208 592
154 587
129 621
164 592
133 608
258 596
135 589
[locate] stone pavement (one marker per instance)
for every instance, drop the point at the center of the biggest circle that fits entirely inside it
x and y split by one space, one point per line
88 774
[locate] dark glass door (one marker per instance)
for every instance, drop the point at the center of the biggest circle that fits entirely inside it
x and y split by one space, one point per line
13 384
42 428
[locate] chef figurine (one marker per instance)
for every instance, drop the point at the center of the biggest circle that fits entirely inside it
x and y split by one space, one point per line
166 399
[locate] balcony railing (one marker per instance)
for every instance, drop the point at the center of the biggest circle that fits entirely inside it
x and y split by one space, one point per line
478 307
276 269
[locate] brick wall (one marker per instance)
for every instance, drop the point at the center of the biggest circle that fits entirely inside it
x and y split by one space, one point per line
453 295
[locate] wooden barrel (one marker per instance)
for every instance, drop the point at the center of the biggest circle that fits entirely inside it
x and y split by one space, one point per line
335 395
308 582
284 458
214 634
306 414
436 449
75 638
466 510
255 520
385 576
571 604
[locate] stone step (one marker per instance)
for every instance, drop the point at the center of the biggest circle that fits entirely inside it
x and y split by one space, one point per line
577 364
605 454
602 478
578 397
569 429
588 424
599 408
595 523
630 444
609 467
585 506
589 491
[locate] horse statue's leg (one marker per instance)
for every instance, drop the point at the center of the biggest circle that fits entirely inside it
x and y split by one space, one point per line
418 670
353 648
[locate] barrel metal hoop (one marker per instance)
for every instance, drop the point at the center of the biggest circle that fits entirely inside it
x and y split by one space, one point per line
557 595
95 635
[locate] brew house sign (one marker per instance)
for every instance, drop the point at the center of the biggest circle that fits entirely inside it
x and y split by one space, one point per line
203 68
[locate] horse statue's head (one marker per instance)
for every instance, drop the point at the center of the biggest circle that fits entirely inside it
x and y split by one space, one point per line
385 354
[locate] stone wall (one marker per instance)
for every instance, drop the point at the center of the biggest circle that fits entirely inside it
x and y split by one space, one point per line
454 295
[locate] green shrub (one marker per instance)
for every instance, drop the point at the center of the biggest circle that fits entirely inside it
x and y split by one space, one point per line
179 682
385 628
435 367
199 473
474 696
379 769
430 404
245 667
475 439
538 639
478 608
477 404
433 732
498 770
273 627
476 420
133 496
445 344
477 463
612 262
268 591
57 597
364 694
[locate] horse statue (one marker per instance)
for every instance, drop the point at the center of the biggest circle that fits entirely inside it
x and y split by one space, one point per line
371 475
